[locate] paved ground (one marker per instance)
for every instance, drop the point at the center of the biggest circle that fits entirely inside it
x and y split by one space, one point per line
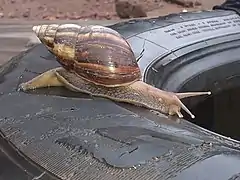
93 9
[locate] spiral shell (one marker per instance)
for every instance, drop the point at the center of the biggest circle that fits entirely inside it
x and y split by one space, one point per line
96 53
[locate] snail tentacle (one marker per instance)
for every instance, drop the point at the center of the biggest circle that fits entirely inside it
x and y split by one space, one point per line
46 79
191 94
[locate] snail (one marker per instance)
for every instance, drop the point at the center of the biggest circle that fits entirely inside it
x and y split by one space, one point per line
99 61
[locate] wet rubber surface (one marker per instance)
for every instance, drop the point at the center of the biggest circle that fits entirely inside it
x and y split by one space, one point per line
9 171
95 138
73 136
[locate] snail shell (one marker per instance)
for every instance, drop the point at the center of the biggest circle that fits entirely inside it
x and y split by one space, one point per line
97 54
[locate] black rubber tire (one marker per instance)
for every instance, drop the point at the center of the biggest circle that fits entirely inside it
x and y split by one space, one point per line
94 138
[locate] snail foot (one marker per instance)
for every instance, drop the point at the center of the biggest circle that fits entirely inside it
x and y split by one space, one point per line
46 79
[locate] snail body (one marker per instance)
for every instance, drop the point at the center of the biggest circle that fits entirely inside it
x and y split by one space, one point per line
97 60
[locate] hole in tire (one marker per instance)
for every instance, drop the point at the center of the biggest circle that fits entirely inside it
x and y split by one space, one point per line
219 113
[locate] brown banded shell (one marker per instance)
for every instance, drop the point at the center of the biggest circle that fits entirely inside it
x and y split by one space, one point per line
96 53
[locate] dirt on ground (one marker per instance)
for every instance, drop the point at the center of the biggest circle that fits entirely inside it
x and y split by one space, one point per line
97 9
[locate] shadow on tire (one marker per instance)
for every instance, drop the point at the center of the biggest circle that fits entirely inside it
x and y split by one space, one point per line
219 113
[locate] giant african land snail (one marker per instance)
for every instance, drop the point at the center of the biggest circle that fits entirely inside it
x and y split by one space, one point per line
97 60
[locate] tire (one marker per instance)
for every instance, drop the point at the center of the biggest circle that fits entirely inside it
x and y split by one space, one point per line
205 59
95 138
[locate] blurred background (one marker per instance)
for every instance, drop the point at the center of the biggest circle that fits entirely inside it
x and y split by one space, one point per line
97 9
